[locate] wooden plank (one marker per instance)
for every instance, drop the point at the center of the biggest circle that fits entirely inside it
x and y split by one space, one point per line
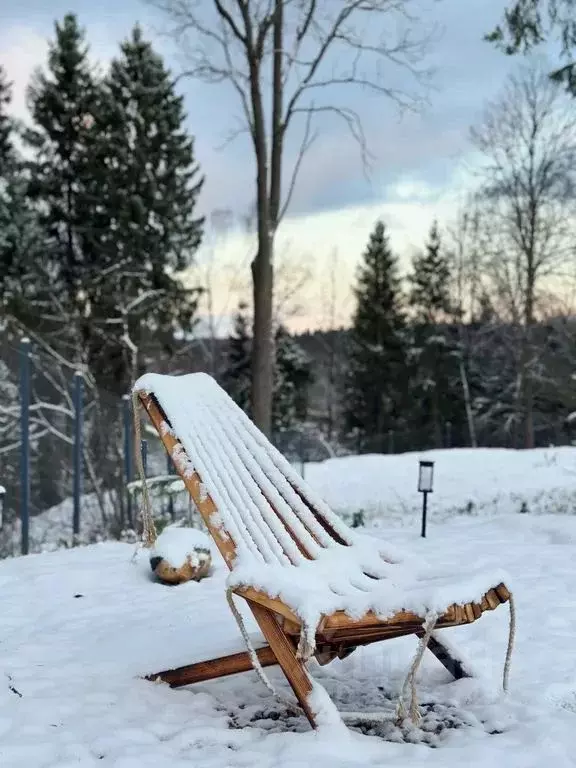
214 668
446 658
503 593
285 651
277 606
456 614
492 599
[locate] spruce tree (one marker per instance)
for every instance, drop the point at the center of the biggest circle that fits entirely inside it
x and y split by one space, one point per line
292 373
5 123
376 384
62 100
22 248
430 281
236 378
435 382
143 200
292 380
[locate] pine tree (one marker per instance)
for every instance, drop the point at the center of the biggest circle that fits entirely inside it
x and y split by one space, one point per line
435 384
376 382
292 380
292 373
236 378
430 281
5 123
143 201
62 100
21 243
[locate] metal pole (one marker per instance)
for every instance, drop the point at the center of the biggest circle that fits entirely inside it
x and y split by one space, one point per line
390 441
77 481
128 459
25 443
424 512
448 434
144 450
302 456
170 470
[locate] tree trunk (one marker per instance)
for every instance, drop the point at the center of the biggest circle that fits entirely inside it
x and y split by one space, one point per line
468 406
527 383
268 208
262 342
527 402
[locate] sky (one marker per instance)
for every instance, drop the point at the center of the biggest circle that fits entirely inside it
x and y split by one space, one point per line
422 162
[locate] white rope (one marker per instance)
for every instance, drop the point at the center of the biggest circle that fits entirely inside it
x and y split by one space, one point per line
149 534
410 681
306 650
511 640
258 668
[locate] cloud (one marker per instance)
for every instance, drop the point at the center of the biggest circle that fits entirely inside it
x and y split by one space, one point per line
22 49
326 246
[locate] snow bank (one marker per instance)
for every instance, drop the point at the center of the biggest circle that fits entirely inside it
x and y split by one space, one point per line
482 482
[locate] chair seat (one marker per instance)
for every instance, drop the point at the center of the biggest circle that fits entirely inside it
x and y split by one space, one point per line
354 586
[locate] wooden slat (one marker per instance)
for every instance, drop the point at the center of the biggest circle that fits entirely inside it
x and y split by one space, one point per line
447 659
285 651
503 593
492 599
214 668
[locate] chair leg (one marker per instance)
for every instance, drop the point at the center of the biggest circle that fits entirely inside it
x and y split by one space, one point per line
284 649
446 657
214 668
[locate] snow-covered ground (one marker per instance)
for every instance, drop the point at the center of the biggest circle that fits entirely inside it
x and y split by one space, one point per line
474 482
80 628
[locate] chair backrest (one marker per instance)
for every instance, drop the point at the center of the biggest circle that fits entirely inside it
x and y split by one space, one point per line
252 500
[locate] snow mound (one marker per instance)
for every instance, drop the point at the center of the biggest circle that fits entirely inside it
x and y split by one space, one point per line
176 545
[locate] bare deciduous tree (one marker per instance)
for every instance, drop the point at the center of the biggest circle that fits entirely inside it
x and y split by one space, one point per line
528 142
291 61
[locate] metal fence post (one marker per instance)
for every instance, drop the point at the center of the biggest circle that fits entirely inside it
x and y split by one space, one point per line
170 470
144 451
448 434
128 458
25 444
78 468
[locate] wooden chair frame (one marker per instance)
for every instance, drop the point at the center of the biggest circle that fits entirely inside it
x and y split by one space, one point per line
337 635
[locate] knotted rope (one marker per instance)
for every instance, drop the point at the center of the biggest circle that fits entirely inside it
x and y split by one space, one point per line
149 533
511 641
351 718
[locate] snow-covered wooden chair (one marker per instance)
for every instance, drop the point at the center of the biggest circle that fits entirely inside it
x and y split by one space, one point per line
315 587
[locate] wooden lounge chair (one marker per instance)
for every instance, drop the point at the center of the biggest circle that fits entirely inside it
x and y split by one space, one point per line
314 586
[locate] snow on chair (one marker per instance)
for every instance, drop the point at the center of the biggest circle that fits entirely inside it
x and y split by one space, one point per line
316 588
